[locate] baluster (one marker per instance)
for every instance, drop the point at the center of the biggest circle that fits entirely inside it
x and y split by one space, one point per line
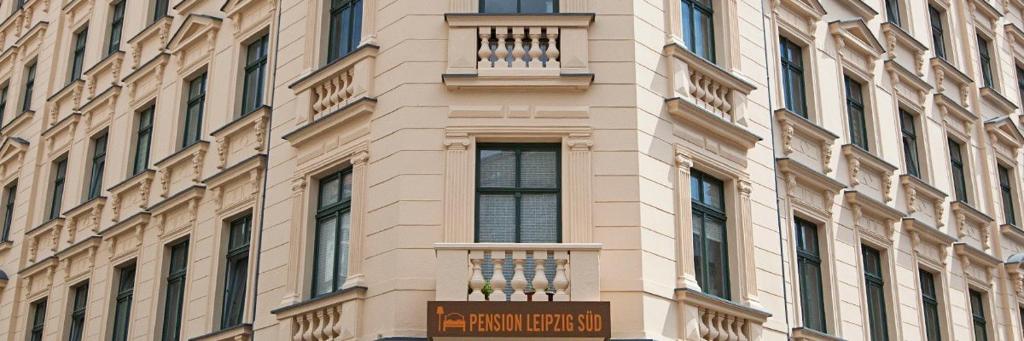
517 48
337 90
720 332
702 319
318 333
712 329
299 327
502 49
716 99
696 90
349 86
318 99
498 279
329 323
726 105
308 335
535 52
476 281
741 330
552 52
708 95
519 278
540 278
730 323
485 52
561 280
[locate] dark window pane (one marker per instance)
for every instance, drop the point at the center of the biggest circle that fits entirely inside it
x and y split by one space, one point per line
909 131
875 291
346 18
855 111
143 136
159 10
80 297
538 216
1006 195
330 268
38 320
978 316
938 31
698 28
57 196
174 298
116 26
10 193
30 83
99 160
496 218
892 11
709 235
984 57
498 168
194 112
959 173
518 196
123 303
930 304
539 169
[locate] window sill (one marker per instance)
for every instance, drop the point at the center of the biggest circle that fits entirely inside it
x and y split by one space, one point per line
241 332
183 168
85 217
972 225
805 141
12 127
327 301
1013 233
807 334
929 243
997 101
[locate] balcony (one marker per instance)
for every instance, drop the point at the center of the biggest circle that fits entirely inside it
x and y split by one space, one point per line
706 86
509 272
335 316
335 87
706 317
528 52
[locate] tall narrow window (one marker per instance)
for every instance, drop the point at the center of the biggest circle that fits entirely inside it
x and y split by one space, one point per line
99 162
333 217
710 240
38 320
699 27
194 112
930 305
255 75
159 10
812 295
518 194
174 298
875 281
81 297
956 164
78 54
143 136
10 193
892 12
123 302
518 6
60 168
345 28
978 316
237 260
1006 193
908 128
3 103
984 57
30 84
116 26
792 60
855 111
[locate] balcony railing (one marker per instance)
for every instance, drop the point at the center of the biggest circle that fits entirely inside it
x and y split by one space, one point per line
714 319
517 272
706 85
336 85
331 317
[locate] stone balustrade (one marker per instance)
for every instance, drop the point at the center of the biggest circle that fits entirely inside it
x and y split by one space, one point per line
517 272
336 85
331 317
706 85
503 47
708 318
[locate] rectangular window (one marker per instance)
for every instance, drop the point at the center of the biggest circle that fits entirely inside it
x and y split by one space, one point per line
978 316
518 193
123 302
875 281
892 11
699 27
518 6
143 136
78 54
116 26
710 240
19 4
255 75
333 217
908 128
1006 193
38 320
159 10
81 297
30 84
346 23
812 295
174 297
792 60
984 57
60 168
930 304
194 112
3 103
855 111
1020 86
99 162
9 199
236 276
956 163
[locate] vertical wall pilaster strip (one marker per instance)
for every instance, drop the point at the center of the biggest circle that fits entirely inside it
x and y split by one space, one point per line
358 233
746 229
579 192
686 274
458 197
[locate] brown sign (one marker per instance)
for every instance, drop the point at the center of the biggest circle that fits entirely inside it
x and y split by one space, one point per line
518 319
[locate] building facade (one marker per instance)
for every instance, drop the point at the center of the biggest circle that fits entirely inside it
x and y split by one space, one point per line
322 169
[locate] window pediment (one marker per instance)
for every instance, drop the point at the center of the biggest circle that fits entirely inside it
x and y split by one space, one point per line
151 42
859 8
713 125
12 157
909 86
29 44
930 244
1013 234
972 224
944 71
238 185
16 123
988 13
178 213
977 264
99 112
11 28
868 173
809 188
193 44
1015 38
924 202
997 101
60 136
247 16
79 259
147 80
84 217
956 118
799 15
77 11
66 100
124 238
131 195
183 168
103 75
855 36
37 279
186 6
1004 137
242 138
805 141
898 40
8 60
873 218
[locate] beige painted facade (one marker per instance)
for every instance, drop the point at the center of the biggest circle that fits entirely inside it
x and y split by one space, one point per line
634 114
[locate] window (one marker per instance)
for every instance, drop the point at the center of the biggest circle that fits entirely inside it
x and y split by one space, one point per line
3 102
255 75
30 84
793 77
812 296
123 302
985 59
9 199
710 243
174 297
699 28
78 54
19 4
875 282
956 163
60 169
978 316
143 136
930 304
908 128
194 112
1006 193
345 28
855 111
81 297
237 271
99 161
518 194
518 6
333 217
116 26
38 320
1020 88
892 12
159 10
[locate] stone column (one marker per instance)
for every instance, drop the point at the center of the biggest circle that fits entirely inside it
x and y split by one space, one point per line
458 189
686 274
358 224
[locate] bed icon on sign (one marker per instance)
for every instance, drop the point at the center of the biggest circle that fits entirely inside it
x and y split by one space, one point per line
450 321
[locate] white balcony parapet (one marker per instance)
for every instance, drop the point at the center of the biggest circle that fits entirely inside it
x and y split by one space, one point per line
706 85
335 316
480 272
335 86
708 318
